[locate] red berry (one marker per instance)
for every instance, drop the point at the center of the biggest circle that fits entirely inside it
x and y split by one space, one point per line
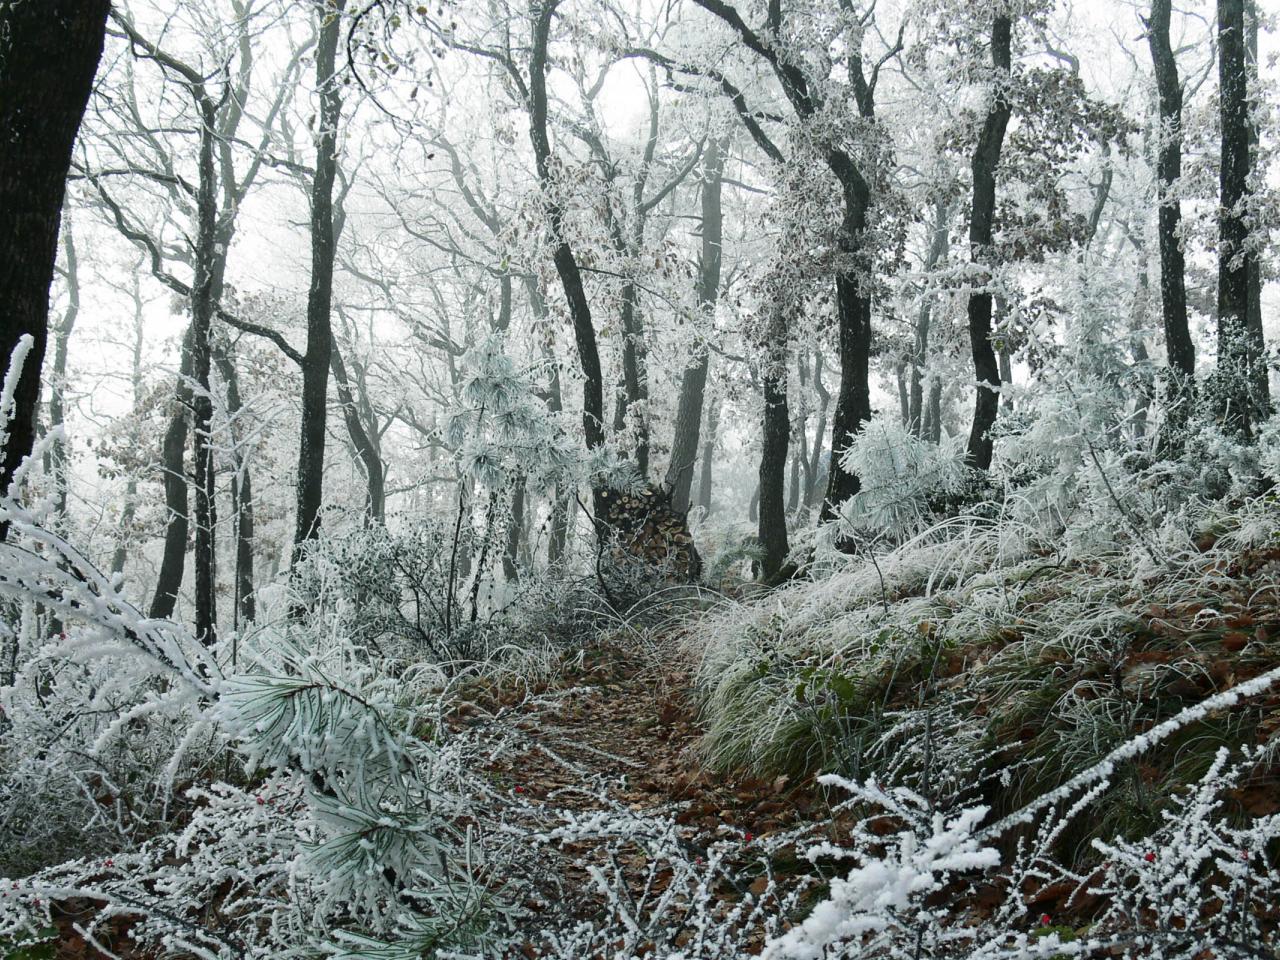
260 801
1044 919
1150 857
108 862
749 836
519 789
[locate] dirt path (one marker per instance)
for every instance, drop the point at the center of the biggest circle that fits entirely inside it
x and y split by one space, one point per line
618 734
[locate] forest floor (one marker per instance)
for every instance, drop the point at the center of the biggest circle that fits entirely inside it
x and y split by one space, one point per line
618 729
615 727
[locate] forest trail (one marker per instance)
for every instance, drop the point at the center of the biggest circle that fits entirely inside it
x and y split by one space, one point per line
621 725
618 729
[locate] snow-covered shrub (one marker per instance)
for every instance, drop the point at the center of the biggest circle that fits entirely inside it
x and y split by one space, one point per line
903 478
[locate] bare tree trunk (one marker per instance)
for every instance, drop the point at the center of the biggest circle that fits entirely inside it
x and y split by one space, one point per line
1179 347
127 513
319 355
773 452
173 467
565 262
904 399
819 434
684 443
241 496
938 246
49 53
1254 264
985 159
363 440
707 460
1243 391
57 457
511 550
933 412
853 394
203 302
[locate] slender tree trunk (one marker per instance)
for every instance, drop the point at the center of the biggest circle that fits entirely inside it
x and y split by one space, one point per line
241 495
511 550
57 458
1138 349
707 460
793 482
853 312
319 355
127 513
363 440
933 412
633 399
566 263
1254 265
202 309
1243 393
773 452
49 53
173 467
904 398
684 443
938 246
1179 347
985 159
819 434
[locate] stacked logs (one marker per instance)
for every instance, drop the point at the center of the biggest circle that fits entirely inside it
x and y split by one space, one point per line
646 528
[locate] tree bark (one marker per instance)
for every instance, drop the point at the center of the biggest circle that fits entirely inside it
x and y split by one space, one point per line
853 311
241 495
1243 392
985 159
688 427
203 302
319 355
127 513
938 246
511 549
773 452
1179 347
173 450
707 460
363 440
49 53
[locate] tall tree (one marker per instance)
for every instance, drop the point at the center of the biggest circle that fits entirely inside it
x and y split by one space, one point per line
319 353
49 53
1243 392
566 262
986 156
775 436
804 92
1179 347
693 382
57 459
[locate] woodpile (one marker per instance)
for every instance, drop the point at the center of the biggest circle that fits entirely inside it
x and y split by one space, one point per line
646 528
